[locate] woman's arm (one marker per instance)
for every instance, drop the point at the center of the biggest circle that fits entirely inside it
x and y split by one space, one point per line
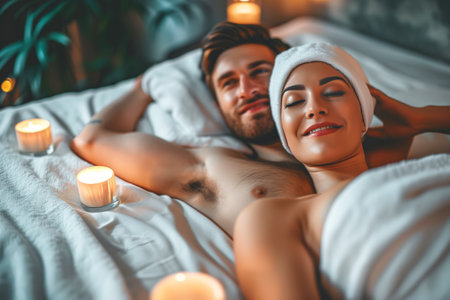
403 121
272 256
142 159
391 142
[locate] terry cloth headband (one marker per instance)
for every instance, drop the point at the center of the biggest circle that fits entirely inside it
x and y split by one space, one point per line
288 60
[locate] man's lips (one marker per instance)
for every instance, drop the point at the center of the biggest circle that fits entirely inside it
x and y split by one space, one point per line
321 129
254 105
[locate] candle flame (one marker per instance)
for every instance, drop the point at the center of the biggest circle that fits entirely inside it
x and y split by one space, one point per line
180 277
32 125
95 175
8 85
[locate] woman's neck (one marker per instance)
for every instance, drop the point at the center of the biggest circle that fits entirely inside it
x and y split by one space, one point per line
328 175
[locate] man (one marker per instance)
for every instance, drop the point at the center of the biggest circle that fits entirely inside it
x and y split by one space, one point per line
237 63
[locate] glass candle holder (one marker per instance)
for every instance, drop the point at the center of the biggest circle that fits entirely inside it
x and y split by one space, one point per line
97 189
34 137
188 286
244 11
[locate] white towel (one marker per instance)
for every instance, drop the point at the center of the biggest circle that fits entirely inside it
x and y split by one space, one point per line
387 234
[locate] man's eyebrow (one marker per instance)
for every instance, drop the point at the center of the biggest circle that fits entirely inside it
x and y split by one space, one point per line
259 62
328 79
294 87
226 75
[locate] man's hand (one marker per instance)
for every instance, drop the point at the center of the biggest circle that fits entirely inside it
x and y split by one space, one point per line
399 119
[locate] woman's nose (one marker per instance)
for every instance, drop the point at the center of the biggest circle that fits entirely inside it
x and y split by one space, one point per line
315 108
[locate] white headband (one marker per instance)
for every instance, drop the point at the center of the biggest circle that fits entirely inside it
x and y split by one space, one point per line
288 60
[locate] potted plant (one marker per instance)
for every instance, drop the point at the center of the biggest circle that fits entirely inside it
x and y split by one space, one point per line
56 43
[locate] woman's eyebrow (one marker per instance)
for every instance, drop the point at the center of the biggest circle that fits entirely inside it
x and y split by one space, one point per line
295 87
328 79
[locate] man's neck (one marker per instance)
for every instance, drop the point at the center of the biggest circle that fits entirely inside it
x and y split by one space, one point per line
273 152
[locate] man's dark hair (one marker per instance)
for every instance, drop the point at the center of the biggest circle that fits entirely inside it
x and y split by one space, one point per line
227 35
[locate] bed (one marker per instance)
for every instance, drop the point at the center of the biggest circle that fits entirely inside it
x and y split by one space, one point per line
52 248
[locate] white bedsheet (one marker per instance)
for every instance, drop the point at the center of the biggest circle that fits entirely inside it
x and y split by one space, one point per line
53 248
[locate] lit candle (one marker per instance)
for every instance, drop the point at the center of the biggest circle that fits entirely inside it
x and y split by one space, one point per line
244 11
188 286
34 137
97 188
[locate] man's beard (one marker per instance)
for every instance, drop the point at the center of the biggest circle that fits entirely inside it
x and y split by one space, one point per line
261 130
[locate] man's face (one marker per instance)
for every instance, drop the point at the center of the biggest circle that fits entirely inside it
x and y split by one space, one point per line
241 80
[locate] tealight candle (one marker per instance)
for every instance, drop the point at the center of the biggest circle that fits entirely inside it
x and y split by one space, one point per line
97 188
188 286
244 11
34 137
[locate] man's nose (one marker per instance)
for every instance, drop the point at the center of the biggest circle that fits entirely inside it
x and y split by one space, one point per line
315 107
247 87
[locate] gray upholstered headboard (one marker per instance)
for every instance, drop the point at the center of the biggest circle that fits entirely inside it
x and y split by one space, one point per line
422 26
419 25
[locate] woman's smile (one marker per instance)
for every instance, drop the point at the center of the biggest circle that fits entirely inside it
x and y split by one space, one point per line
320 129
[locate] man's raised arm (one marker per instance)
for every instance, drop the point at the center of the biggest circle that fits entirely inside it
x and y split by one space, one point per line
109 139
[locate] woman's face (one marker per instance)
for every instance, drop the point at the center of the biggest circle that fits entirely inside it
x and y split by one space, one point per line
321 115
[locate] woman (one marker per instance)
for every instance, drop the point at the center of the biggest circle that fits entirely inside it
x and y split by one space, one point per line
284 249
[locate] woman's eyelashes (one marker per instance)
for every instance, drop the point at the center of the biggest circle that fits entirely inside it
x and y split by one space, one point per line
325 94
294 103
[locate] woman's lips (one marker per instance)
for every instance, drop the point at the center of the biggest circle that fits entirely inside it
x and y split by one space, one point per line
321 129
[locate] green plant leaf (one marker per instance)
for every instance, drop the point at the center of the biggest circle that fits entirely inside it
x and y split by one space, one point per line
21 59
7 5
41 51
94 6
28 27
47 18
26 6
44 6
59 38
35 83
11 49
8 52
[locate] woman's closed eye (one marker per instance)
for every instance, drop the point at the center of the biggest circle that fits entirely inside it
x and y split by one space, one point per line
294 103
334 93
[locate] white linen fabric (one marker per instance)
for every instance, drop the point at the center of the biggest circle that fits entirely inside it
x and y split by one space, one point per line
387 234
54 249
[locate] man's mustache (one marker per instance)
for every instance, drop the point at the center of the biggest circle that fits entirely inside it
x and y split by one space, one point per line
255 98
